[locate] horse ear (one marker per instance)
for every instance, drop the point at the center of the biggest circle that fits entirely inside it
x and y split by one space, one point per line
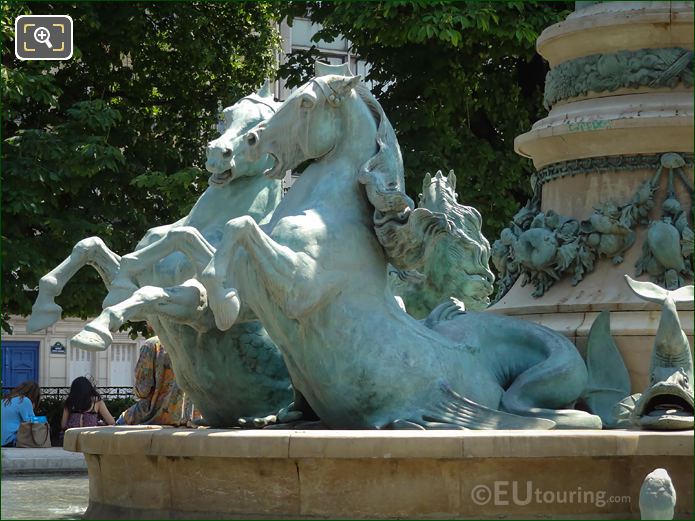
426 181
345 85
326 69
265 91
452 180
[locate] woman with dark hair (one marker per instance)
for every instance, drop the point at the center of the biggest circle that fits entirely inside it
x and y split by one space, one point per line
17 407
83 406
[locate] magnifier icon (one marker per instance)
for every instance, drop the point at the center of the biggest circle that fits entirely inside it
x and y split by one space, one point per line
42 35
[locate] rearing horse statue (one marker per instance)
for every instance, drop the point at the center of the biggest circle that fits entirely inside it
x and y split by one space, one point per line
315 275
228 375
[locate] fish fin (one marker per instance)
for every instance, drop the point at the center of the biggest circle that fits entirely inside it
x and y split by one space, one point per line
461 412
653 293
609 380
684 294
447 310
405 425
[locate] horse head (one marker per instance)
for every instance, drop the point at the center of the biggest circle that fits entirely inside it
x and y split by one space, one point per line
305 127
458 264
235 121
438 192
337 117
313 123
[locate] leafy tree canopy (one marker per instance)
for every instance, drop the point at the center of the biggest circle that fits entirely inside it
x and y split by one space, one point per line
458 80
111 142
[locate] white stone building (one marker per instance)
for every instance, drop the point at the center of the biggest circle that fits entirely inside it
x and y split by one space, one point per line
47 357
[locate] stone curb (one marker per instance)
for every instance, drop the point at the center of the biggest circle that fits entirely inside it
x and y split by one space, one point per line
41 461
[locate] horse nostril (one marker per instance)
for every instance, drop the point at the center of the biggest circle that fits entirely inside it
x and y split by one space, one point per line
251 138
226 152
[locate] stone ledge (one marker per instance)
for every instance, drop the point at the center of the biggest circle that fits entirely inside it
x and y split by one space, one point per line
647 123
615 26
41 461
153 473
292 444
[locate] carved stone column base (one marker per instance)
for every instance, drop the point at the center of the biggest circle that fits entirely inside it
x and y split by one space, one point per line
572 309
620 95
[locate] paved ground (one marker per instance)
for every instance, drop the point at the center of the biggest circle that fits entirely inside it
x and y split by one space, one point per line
53 460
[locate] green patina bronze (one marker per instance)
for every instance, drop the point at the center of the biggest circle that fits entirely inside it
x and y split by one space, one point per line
657 496
315 275
652 68
238 373
609 381
542 247
457 265
236 289
667 403
667 253
227 374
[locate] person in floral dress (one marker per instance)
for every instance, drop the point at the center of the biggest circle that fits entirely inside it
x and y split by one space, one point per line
160 400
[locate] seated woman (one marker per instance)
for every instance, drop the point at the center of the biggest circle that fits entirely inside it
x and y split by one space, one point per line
83 406
160 400
17 407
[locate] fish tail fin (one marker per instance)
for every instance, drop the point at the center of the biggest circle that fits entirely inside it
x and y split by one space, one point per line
609 380
653 293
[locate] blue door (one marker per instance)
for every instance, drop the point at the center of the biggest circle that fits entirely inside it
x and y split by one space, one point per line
20 362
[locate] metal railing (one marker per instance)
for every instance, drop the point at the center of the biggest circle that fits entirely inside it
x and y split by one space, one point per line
107 393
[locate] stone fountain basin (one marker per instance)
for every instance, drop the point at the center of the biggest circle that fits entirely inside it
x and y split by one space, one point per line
155 472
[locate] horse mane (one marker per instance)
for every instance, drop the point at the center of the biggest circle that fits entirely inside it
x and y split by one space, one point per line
262 103
466 236
466 219
403 234
268 101
382 174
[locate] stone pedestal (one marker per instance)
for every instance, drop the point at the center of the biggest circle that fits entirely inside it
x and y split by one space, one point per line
156 473
620 95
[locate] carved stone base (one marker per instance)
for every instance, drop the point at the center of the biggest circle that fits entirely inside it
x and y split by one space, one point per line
593 148
155 473
571 310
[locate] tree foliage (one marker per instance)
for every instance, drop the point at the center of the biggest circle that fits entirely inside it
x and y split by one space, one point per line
112 142
458 80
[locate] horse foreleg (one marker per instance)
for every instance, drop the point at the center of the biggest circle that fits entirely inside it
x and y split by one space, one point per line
185 239
185 304
90 251
292 277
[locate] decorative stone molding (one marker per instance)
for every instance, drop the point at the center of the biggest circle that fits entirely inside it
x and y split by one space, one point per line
632 123
668 250
608 72
604 164
609 27
542 247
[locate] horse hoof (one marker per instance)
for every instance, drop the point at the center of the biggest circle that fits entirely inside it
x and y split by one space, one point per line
225 309
257 422
90 339
43 316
